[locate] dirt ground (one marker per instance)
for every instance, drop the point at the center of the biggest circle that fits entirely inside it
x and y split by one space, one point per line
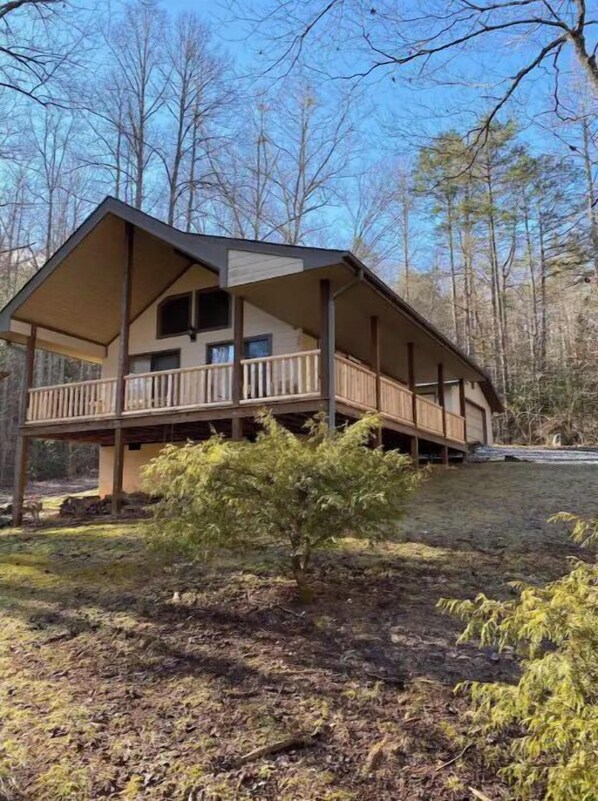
125 678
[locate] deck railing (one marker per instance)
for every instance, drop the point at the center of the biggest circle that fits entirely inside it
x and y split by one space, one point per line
429 415
187 387
264 380
396 401
75 401
355 384
455 427
294 375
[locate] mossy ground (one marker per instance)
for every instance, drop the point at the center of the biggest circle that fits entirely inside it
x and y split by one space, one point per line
112 689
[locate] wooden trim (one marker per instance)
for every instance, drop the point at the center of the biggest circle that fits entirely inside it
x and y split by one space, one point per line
441 398
22 451
375 355
61 331
463 407
204 291
411 379
123 365
117 470
189 316
327 349
238 354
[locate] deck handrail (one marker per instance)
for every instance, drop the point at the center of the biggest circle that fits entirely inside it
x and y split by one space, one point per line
279 377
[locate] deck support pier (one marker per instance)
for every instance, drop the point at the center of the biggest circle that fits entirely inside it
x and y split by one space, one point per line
237 379
22 450
327 347
441 400
123 369
375 368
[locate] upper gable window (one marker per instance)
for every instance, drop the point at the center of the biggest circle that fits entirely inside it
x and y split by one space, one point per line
174 315
213 309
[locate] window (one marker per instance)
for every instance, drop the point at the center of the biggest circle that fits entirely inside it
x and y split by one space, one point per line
174 315
154 362
223 352
213 309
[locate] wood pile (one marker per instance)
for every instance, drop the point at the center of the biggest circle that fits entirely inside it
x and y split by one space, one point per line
133 505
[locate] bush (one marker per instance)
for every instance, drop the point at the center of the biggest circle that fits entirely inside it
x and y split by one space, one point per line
549 719
302 493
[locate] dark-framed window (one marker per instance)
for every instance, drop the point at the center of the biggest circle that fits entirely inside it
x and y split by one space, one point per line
154 362
212 309
253 348
174 315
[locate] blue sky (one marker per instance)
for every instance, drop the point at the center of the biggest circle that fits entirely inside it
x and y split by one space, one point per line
412 113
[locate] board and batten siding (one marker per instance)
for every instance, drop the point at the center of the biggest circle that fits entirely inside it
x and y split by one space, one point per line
247 267
143 331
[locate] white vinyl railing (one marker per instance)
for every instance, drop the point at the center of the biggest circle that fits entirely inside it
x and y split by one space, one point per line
76 401
294 375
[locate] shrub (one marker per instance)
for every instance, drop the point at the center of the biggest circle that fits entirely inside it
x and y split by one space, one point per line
549 719
302 493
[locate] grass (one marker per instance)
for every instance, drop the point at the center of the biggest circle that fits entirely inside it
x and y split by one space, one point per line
112 689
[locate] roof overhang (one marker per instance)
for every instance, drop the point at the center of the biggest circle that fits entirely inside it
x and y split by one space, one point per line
75 299
77 294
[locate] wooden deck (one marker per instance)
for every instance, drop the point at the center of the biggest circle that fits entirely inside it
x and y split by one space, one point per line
271 380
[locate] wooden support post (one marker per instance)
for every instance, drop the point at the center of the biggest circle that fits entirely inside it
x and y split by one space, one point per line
411 379
463 407
375 367
415 452
123 367
237 383
22 450
441 400
327 346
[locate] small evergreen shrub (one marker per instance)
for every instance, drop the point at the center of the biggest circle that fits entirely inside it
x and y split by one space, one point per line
302 493
549 719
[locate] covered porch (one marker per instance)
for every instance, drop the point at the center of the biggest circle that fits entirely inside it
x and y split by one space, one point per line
367 350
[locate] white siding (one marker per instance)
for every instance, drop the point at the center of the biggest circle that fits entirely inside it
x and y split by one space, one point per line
246 267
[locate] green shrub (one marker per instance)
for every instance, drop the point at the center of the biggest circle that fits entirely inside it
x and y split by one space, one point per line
302 493
548 721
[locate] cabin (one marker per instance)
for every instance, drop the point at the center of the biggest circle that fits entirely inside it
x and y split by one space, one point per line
194 333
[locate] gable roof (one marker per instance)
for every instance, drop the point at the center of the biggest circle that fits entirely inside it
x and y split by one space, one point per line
207 250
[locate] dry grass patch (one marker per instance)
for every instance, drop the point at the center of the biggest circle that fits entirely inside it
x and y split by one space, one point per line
125 678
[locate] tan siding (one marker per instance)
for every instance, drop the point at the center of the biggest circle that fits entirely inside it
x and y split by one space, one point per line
133 462
285 338
246 267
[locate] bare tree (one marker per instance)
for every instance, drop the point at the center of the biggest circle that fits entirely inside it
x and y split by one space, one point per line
197 98
136 44
426 39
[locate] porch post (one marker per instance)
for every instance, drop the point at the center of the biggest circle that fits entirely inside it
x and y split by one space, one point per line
237 381
462 406
375 367
411 384
441 401
327 346
22 449
123 368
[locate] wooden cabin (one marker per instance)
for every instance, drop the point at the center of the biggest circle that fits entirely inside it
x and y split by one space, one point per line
195 332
